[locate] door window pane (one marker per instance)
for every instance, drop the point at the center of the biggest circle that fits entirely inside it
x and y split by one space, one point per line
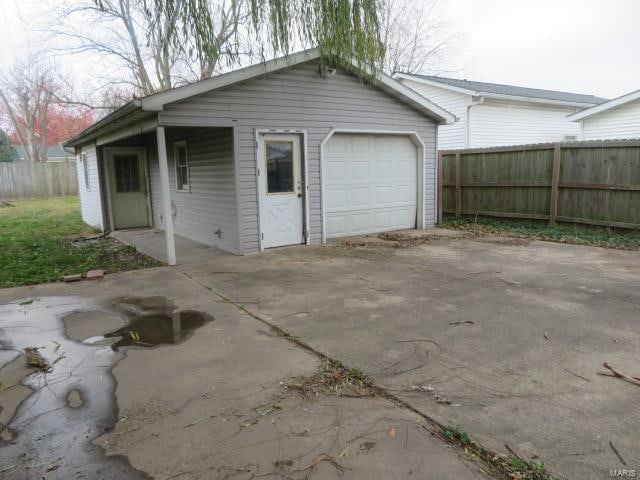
127 173
279 167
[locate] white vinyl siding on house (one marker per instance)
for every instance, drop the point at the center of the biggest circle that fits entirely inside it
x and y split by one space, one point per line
453 135
495 123
90 198
298 98
618 123
210 204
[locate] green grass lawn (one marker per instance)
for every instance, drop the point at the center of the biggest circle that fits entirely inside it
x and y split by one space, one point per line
540 230
35 244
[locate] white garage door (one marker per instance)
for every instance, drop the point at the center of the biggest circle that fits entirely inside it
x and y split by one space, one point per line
370 184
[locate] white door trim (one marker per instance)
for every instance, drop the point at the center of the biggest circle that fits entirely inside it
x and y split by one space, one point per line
417 141
110 150
305 170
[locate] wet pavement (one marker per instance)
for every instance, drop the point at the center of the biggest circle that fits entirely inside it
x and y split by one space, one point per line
72 401
209 403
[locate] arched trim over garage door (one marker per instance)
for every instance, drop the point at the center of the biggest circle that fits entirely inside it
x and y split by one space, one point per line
421 159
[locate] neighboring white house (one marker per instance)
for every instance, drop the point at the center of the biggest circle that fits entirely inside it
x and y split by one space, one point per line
491 114
616 119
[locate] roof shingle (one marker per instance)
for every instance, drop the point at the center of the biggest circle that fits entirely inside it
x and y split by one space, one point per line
496 88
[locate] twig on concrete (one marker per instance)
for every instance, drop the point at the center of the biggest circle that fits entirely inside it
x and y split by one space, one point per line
462 322
621 375
428 340
323 457
607 374
615 450
577 375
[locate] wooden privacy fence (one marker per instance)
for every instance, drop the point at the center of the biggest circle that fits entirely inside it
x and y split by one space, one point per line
26 179
595 183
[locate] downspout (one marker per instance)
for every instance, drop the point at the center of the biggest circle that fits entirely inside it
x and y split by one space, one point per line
475 100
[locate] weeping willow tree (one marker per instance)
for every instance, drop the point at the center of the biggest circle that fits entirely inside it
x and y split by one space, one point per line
341 30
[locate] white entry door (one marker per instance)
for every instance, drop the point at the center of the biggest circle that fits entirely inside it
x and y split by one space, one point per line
128 187
280 190
371 184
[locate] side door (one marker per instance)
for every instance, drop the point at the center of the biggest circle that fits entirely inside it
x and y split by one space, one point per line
281 190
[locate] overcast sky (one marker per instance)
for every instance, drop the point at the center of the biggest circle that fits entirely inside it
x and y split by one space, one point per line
582 46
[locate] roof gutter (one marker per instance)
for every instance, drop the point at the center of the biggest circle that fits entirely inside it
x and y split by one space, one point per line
123 111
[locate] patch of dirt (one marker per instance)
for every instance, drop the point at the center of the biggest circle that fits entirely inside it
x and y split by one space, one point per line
333 378
395 240
505 240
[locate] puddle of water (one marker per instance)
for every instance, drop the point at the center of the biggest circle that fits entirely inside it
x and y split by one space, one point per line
75 402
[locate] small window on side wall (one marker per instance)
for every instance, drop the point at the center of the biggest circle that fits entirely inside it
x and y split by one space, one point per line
182 166
85 171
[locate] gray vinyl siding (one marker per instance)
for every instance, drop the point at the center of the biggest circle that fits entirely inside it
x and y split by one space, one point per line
299 99
210 205
91 198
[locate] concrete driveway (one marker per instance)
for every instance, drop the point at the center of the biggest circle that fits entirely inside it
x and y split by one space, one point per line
172 382
499 337
510 334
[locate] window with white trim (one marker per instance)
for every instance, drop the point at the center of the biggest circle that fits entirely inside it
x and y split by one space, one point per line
182 166
85 171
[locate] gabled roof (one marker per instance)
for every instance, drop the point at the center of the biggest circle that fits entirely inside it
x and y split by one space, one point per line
504 91
156 102
603 107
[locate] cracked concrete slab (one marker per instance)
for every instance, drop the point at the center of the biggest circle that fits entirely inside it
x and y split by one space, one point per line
213 405
510 333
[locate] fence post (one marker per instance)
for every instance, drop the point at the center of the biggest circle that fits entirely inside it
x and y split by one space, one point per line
458 184
440 188
555 179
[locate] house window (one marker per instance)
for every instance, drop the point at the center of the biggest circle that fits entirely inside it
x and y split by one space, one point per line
85 171
182 166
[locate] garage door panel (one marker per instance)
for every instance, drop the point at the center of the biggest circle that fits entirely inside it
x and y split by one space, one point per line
406 169
358 143
337 198
360 222
383 169
360 197
371 184
336 170
360 169
336 225
404 194
403 216
383 195
382 219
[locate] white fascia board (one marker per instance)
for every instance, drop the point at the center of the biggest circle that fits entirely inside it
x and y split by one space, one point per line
544 101
616 102
427 106
404 76
499 96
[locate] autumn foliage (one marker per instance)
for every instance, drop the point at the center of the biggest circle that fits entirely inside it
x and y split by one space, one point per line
62 124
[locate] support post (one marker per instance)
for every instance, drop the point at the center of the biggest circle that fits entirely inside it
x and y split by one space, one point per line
458 183
555 180
166 196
